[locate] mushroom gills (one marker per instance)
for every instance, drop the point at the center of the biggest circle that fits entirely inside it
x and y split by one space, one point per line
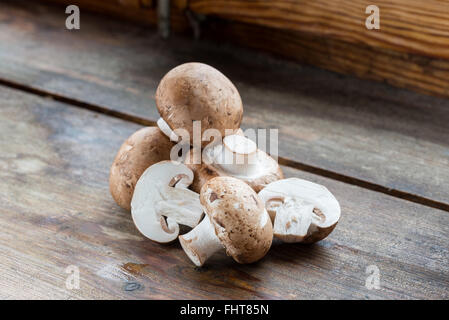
161 201
181 205
301 211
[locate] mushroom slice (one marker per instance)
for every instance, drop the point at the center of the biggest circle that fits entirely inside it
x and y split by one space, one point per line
235 220
237 157
302 211
161 201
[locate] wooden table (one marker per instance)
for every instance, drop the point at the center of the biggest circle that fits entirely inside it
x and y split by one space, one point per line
70 98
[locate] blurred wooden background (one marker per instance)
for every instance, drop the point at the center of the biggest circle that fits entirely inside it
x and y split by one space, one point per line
411 49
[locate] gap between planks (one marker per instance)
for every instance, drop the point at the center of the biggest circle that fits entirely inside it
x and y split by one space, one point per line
282 161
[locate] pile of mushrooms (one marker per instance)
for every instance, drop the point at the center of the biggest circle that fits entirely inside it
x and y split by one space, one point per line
234 198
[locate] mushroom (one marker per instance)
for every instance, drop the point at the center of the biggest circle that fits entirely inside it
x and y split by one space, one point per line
235 219
238 157
142 149
161 201
301 211
196 91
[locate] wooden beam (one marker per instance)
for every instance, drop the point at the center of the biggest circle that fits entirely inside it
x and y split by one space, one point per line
135 11
411 49
411 26
417 72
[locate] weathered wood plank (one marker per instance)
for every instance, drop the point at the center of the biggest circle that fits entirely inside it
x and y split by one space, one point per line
410 26
368 131
135 11
56 211
413 71
410 50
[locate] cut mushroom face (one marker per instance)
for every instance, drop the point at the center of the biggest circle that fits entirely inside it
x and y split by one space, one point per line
161 201
197 91
302 211
235 220
238 157
142 149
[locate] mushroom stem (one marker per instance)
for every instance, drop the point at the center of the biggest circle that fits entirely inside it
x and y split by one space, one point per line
201 242
238 155
165 128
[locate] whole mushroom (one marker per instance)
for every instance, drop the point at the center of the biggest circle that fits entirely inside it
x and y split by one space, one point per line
301 211
142 149
237 157
235 219
197 92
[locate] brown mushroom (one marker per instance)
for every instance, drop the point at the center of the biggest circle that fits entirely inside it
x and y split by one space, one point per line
142 149
235 219
237 157
198 92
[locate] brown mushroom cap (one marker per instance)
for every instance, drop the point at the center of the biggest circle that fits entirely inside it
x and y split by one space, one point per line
319 234
142 149
239 218
197 91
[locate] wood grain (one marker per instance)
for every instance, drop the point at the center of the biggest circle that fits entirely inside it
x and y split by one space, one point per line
56 211
410 50
356 129
410 26
136 11
413 71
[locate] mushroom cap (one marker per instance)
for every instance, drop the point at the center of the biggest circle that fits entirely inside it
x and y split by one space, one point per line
196 91
271 171
310 197
239 218
141 150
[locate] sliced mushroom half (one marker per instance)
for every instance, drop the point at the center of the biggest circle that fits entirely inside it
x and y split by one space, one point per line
161 201
301 211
